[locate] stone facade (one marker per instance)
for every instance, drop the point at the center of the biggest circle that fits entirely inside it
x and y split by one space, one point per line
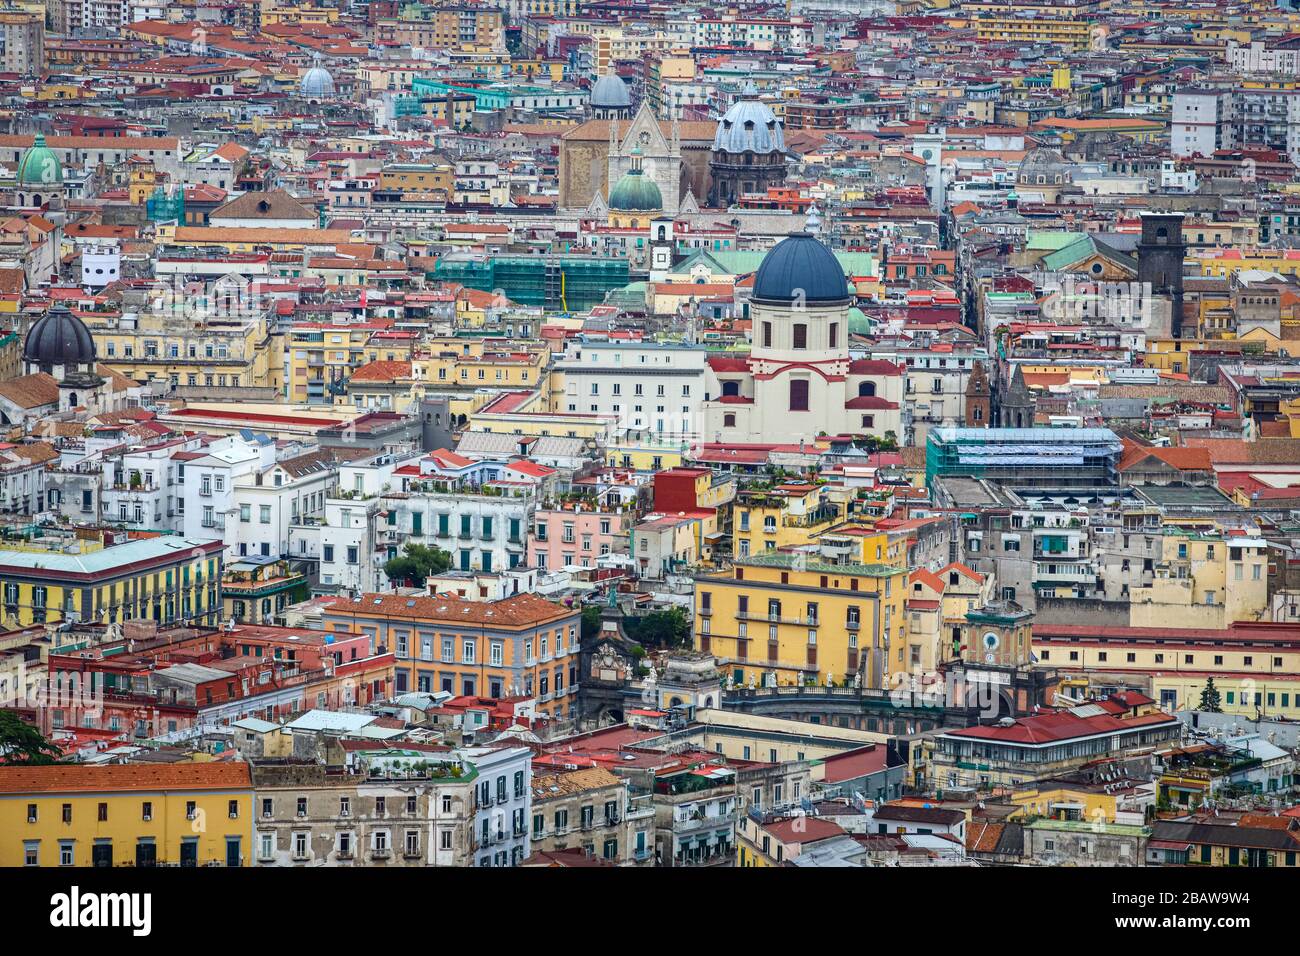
594 155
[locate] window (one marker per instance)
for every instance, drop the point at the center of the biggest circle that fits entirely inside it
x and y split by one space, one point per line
800 335
799 395
767 335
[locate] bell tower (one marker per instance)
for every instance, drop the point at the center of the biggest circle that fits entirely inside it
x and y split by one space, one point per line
1160 255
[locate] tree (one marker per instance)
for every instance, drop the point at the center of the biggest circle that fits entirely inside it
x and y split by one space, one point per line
1210 698
416 565
590 621
669 628
21 743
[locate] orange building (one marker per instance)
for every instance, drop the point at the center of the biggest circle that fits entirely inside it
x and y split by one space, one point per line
523 645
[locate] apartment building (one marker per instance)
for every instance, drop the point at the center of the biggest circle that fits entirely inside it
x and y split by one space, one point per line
377 814
220 340
645 386
503 811
484 529
590 809
520 645
70 815
239 494
1026 750
574 534
164 579
835 612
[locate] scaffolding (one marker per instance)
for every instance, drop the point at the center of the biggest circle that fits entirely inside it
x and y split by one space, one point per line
1030 456
553 282
161 207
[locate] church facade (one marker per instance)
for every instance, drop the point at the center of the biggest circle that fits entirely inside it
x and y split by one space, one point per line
799 379
674 155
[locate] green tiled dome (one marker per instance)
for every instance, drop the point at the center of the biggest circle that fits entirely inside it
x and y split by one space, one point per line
39 165
636 192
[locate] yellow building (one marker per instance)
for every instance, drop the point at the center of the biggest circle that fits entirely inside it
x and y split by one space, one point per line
321 354
182 814
645 455
937 605
1203 580
1223 262
1074 34
143 180
1064 801
791 617
165 579
482 363
444 28
780 840
418 178
272 13
540 423
251 239
192 347
786 516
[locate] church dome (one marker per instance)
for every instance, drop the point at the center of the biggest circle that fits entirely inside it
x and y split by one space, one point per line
316 81
59 338
40 165
1044 167
610 93
858 323
800 267
635 191
749 127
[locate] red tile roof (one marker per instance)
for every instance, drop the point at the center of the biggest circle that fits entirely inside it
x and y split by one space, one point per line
67 778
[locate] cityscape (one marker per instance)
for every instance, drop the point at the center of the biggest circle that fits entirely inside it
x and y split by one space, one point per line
650 435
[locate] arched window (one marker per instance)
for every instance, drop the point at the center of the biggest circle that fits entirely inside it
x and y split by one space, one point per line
731 388
866 389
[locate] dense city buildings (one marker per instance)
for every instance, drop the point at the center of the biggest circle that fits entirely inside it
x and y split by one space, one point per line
571 433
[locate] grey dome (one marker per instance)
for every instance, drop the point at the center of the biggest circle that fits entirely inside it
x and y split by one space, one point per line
749 127
59 338
800 268
610 93
316 82
1046 162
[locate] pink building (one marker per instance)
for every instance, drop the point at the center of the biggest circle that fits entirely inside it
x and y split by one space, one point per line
567 536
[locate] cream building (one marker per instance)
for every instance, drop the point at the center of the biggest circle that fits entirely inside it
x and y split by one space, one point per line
799 379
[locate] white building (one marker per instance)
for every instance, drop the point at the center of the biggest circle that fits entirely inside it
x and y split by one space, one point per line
646 386
350 559
484 530
503 804
1200 122
142 487
237 493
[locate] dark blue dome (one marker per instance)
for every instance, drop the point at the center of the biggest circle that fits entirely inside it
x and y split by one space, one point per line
59 338
800 263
